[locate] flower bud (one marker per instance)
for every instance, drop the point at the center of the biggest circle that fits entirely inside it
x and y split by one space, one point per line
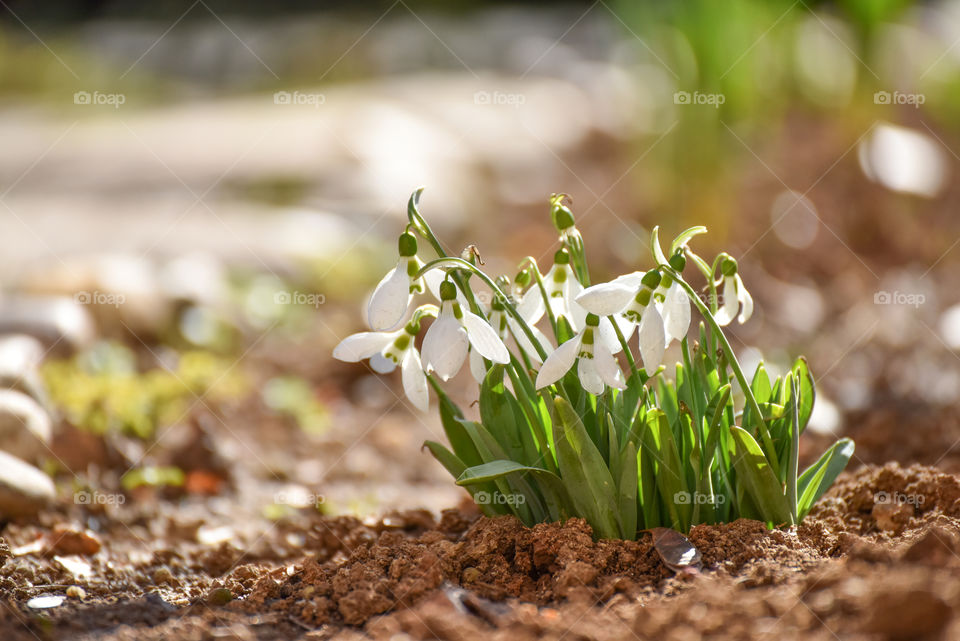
407 244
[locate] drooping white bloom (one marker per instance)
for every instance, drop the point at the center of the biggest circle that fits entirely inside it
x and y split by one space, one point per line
448 340
628 299
562 289
531 308
386 350
735 297
597 366
391 298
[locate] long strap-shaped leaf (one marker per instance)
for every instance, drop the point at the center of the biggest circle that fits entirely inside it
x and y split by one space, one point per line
817 478
552 488
585 473
761 482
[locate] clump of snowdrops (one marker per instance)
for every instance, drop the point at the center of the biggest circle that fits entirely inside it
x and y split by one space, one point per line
576 416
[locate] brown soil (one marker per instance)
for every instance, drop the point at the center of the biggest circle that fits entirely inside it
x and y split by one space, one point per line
876 559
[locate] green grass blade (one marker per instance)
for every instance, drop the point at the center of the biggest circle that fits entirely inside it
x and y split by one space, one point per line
818 478
758 478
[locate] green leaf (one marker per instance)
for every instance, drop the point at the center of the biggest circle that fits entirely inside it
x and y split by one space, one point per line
627 491
584 472
808 391
503 417
658 440
551 486
455 466
532 510
460 441
715 411
759 479
818 478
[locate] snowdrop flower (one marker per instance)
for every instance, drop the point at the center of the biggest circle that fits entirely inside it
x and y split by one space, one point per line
448 340
562 288
735 296
531 309
391 298
386 350
597 366
674 303
628 299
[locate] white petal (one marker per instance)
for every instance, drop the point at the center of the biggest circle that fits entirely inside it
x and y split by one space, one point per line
626 327
606 299
607 368
390 299
559 362
525 343
652 343
477 368
746 302
531 306
608 336
676 313
589 378
414 380
445 347
730 305
578 315
356 347
433 278
633 280
381 364
484 339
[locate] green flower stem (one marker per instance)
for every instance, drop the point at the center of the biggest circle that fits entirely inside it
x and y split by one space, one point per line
626 348
420 224
543 293
734 365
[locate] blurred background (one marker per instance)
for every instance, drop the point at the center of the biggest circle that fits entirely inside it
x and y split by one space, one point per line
195 199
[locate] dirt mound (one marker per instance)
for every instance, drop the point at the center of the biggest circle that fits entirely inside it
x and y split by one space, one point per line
497 559
878 558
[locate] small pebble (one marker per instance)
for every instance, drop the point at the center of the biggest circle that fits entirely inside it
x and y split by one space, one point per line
219 596
45 601
76 592
162 576
470 575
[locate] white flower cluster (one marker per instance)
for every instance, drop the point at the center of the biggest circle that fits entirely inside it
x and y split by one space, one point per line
602 320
